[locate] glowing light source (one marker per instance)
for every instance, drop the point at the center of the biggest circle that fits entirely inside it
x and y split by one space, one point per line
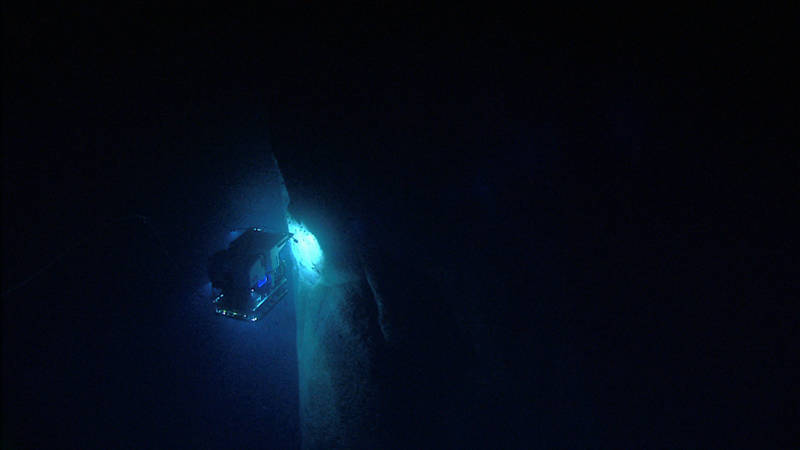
306 250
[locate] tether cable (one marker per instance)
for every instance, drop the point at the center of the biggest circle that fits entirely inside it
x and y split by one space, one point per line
132 218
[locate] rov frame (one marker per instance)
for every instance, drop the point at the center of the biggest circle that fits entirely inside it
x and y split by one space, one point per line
249 278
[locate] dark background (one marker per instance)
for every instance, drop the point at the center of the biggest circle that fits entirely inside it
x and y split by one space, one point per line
636 170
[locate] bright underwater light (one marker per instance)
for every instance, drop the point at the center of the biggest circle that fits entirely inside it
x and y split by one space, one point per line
306 250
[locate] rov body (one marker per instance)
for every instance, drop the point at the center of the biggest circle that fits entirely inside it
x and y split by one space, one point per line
249 277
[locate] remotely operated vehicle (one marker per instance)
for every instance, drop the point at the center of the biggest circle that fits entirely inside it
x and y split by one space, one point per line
249 277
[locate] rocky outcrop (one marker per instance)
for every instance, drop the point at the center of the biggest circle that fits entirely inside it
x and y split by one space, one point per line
380 361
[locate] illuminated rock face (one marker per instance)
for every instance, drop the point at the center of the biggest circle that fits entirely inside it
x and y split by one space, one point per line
376 351
306 251
338 343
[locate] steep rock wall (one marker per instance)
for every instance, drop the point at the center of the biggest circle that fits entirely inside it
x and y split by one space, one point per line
380 361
